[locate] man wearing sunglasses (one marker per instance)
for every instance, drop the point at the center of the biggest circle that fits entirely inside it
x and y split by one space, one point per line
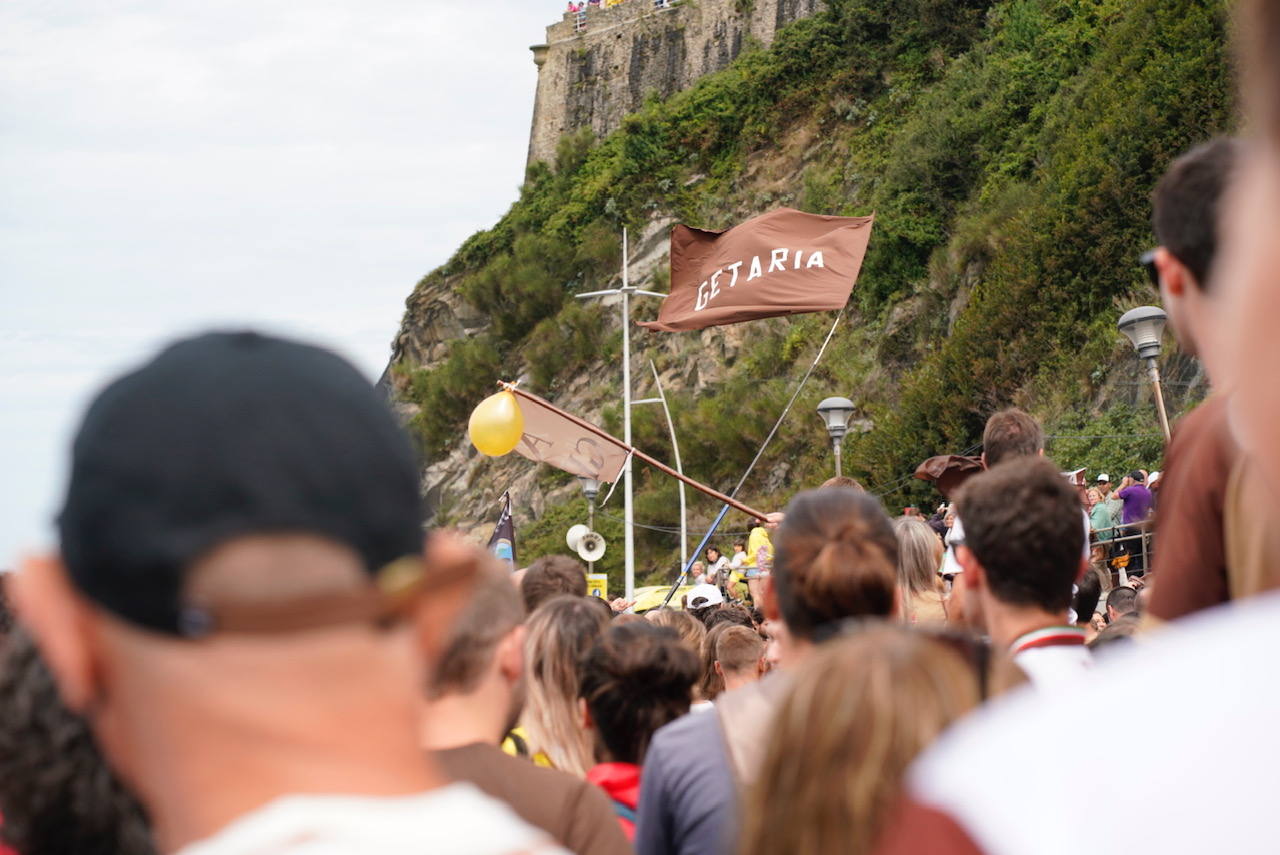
1212 544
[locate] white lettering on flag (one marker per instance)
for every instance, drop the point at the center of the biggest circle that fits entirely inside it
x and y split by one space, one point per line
774 263
709 289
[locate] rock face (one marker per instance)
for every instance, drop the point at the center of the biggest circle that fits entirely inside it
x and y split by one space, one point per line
461 488
434 315
599 65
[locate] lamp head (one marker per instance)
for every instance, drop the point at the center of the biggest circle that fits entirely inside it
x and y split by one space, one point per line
1143 326
836 413
590 487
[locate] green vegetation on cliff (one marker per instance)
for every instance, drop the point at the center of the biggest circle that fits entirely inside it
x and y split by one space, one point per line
1008 150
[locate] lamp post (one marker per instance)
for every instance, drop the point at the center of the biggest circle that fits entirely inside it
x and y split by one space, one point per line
1143 327
590 489
836 413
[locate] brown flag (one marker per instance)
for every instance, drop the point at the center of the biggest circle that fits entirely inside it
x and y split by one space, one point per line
551 438
781 263
949 471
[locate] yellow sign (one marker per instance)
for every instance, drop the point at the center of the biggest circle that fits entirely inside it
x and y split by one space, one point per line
598 585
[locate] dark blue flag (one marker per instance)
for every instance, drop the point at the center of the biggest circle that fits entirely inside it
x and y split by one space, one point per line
503 542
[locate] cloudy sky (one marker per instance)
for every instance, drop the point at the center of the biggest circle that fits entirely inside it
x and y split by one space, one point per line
168 166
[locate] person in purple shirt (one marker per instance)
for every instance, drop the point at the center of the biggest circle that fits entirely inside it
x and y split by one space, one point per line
1136 497
1137 506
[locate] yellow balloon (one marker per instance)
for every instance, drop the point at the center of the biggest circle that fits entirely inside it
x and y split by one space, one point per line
496 424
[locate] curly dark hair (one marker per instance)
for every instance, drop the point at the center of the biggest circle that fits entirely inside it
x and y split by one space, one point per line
636 678
1022 521
727 613
57 794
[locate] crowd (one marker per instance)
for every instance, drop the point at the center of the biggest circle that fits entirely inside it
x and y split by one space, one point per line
583 5
246 644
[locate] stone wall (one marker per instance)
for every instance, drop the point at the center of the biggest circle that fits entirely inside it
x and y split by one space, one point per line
594 77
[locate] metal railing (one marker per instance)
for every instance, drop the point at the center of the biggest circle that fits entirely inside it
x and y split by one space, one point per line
1121 561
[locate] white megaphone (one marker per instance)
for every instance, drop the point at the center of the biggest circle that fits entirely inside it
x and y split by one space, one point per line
591 547
585 542
574 534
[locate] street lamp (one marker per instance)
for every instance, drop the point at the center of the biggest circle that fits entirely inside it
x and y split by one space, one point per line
1143 327
836 413
590 489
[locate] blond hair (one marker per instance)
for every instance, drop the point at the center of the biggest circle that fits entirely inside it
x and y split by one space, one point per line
739 650
557 634
711 683
860 710
919 556
691 630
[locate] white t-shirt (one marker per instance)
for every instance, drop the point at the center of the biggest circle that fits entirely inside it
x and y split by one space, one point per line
1198 773
453 820
1063 659
713 572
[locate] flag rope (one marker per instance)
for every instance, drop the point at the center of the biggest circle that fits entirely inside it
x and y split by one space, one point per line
706 538
614 485
787 408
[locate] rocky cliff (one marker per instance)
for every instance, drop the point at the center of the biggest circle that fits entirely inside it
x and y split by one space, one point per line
461 486
1007 147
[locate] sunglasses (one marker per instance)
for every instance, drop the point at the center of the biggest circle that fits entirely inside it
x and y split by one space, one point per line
1148 262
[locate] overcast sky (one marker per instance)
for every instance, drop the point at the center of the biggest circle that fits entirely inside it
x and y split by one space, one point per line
168 166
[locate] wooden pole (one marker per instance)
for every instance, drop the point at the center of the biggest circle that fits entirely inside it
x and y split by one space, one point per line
1153 372
657 464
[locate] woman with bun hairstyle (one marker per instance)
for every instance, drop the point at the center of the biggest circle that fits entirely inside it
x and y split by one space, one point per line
836 557
633 680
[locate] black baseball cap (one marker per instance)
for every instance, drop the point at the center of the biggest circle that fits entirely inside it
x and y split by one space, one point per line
225 435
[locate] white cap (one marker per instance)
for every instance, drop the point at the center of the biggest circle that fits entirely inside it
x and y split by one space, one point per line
1155 476
1104 477
704 595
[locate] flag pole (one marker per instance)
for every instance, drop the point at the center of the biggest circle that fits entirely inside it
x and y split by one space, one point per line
628 513
654 462
626 291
